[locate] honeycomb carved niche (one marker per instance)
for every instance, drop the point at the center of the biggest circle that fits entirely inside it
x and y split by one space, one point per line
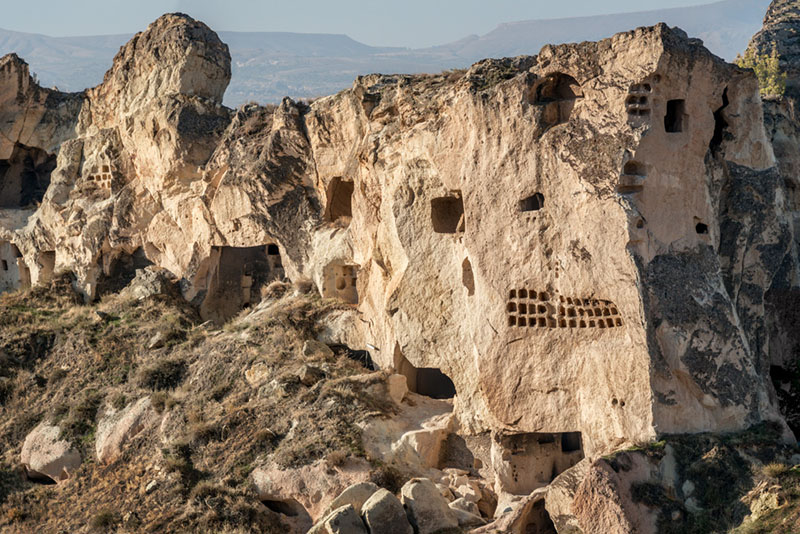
101 176
529 308
637 103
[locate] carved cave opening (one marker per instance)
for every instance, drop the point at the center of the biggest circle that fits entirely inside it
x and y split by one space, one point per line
534 202
428 381
556 93
236 278
526 461
447 214
701 228
340 200
634 168
25 176
119 269
14 272
287 507
632 178
340 282
675 119
537 520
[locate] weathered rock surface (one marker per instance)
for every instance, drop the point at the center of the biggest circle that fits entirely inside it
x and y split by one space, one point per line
115 429
384 514
46 456
343 520
313 487
355 495
528 515
571 252
781 24
602 503
426 509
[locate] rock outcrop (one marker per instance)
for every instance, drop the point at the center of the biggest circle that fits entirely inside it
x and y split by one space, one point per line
780 28
48 457
571 252
116 428
782 123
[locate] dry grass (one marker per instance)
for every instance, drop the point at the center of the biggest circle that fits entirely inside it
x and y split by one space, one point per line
68 362
774 469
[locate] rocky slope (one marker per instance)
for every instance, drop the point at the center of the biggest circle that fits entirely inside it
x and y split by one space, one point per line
547 259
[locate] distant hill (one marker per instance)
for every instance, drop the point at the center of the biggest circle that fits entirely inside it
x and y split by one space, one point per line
270 65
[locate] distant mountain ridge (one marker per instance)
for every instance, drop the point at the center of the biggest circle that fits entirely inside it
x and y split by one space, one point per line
270 65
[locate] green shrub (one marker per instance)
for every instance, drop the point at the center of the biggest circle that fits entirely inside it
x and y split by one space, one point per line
771 81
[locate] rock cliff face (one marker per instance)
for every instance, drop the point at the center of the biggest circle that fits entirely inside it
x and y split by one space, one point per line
781 25
585 248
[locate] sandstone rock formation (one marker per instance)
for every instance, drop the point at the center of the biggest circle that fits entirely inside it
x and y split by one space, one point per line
571 252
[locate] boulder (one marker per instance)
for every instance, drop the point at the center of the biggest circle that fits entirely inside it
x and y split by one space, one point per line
426 509
421 447
310 375
46 456
343 520
466 505
603 500
149 282
523 516
467 519
316 350
355 495
560 494
313 486
257 374
398 387
384 514
115 429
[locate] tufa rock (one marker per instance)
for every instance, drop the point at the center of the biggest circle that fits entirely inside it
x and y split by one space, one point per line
355 495
561 231
45 456
426 509
115 429
384 514
343 520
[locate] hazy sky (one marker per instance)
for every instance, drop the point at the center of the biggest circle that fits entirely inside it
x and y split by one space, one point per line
412 23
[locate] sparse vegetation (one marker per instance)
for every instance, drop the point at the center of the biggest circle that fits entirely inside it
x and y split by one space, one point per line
775 469
66 361
771 81
166 374
104 520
